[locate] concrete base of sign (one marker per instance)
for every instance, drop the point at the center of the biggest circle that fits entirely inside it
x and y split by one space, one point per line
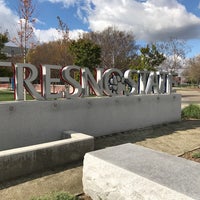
26 160
44 121
133 172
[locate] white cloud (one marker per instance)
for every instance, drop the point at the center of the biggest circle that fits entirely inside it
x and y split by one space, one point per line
8 20
75 34
149 20
52 35
47 35
66 3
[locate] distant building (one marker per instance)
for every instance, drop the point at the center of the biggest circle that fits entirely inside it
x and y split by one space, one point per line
11 51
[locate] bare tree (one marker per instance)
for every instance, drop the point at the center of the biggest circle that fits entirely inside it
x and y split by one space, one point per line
175 51
63 29
117 47
64 43
192 73
26 10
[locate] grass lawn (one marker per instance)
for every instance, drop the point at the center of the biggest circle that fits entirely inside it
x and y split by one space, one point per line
7 95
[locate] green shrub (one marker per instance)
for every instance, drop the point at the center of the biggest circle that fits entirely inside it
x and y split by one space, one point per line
191 111
56 196
196 155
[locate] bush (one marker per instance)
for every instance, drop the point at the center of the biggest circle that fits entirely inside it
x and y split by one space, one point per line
196 155
56 196
191 111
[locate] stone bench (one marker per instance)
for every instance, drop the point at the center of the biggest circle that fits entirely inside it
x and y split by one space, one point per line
134 172
27 160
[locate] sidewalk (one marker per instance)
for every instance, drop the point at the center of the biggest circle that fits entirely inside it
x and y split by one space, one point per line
189 96
174 139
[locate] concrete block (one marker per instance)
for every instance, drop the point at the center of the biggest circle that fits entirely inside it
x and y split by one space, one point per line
26 160
44 121
134 172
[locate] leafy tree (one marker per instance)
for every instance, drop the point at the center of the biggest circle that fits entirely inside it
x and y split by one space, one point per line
50 53
86 53
4 71
3 40
150 58
118 48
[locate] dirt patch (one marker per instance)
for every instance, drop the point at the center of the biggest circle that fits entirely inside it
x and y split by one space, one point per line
193 155
174 138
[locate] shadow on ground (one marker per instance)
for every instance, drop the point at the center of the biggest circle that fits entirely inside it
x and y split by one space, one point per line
38 175
135 136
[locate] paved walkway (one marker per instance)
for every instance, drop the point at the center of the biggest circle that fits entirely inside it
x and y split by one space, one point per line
189 96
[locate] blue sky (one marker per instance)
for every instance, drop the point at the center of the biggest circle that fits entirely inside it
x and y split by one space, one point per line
148 20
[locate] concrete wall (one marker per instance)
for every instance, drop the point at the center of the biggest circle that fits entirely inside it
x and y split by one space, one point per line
26 160
33 122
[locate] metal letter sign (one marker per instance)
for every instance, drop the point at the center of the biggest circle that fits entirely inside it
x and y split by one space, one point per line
110 82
